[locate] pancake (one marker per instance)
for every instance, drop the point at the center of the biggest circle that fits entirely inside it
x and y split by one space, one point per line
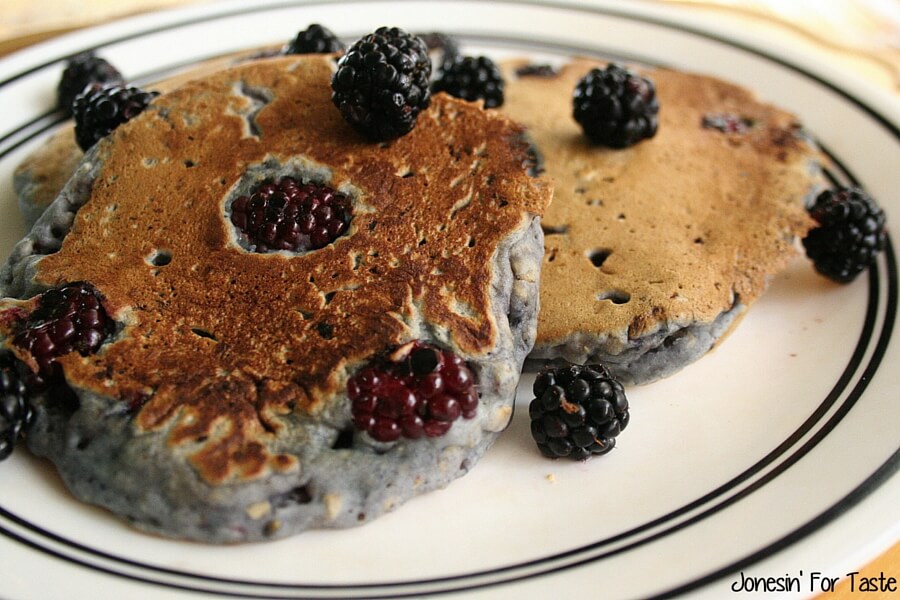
217 409
654 252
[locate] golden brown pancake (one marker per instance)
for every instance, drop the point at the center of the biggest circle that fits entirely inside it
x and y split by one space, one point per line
219 409
653 251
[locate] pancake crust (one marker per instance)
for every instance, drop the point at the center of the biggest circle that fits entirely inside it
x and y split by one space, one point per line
652 251
230 367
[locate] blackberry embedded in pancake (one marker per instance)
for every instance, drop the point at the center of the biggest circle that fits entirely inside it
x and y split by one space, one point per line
217 405
654 250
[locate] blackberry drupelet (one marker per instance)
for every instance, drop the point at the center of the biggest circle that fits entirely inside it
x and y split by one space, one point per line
315 39
418 389
99 110
616 107
292 216
16 412
471 78
70 318
850 234
80 72
577 411
381 83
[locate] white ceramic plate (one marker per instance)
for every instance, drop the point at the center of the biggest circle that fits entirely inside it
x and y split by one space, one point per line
776 455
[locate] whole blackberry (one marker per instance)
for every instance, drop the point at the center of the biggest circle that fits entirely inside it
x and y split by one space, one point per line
70 318
80 72
16 412
290 215
98 110
471 78
381 83
416 390
315 39
850 234
577 411
615 106
436 42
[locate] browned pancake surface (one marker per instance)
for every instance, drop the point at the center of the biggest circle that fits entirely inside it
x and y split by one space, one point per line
220 339
673 229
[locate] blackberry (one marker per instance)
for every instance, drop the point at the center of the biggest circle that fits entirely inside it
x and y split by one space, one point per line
290 215
471 78
98 110
381 83
70 318
80 72
415 390
315 39
850 234
616 107
16 412
577 411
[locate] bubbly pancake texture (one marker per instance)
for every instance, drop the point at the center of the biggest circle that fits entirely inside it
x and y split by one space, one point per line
238 361
653 251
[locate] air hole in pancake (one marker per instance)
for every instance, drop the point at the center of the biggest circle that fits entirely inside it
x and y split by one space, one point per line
595 202
552 255
598 256
699 240
621 216
83 443
471 243
299 495
204 334
325 330
615 296
423 241
190 164
328 297
160 258
343 440
555 229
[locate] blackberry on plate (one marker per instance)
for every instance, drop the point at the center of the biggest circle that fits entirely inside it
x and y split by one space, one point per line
537 70
81 71
16 412
417 389
577 411
99 110
615 106
69 318
315 39
381 83
291 215
471 78
850 234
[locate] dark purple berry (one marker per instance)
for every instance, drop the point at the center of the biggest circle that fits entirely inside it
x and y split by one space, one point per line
98 110
615 106
290 215
70 318
417 389
315 39
16 413
850 234
471 78
80 72
381 83
577 411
